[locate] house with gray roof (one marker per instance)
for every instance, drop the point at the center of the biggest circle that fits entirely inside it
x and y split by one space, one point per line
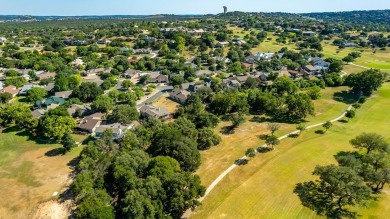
154 111
179 95
63 94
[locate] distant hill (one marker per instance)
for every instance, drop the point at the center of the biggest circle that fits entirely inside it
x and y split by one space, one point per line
374 16
27 18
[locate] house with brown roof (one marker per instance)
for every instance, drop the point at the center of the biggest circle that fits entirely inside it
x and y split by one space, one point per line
11 89
242 79
179 95
90 123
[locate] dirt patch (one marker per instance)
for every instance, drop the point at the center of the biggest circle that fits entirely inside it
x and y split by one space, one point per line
53 210
31 179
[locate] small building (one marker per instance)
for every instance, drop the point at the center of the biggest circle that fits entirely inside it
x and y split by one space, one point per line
310 69
49 87
46 75
186 86
90 123
75 109
157 77
308 33
242 79
195 87
77 62
350 44
51 102
64 94
234 83
38 113
203 73
103 42
222 44
131 74
118 130
27 87
154 111
179 95
11 89
98 71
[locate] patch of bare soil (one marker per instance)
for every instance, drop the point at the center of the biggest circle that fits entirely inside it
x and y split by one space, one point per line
53 210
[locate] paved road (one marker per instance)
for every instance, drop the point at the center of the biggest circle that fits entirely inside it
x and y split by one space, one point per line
234 165
154 96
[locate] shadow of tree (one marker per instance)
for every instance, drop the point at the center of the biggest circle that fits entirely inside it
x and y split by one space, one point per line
227 130
293 135
342 121
263 150
320 132
55 152
259 119
346 97
241 162
263 137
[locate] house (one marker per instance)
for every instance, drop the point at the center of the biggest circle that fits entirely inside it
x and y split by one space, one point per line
222 59
310 69
284 73
143 51
75 109
118 130
154 111
186 86
90 123
131 74
241 79
98 82
49 87
11 89
46 75
320 64
3 40
240 42
195 87
222 44
234 83
51 102
103 42
197 32
179 95
148 38
156 77
63 94
98 71
203 73
350 44
77 62
26 88
38 113
308 33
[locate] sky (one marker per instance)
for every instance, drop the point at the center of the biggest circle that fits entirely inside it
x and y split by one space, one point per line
149 7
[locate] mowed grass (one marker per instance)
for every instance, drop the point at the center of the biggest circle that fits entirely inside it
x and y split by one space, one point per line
233 146
27 175
264 187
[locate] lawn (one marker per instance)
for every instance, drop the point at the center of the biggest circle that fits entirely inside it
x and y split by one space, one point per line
263 188
167 103
233 146
28 174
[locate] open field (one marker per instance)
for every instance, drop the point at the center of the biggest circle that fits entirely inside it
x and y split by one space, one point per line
233 146
263 188
29 174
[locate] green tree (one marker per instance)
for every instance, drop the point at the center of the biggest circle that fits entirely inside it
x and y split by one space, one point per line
299 106
350 114
96 206
102 104
250 152
124 114
337 189
207 138
126 84
87 91
5 97
370 142
284 85
54 126
366 82
272 141
301 128
36 93
237 119
327 125
314 92
68 142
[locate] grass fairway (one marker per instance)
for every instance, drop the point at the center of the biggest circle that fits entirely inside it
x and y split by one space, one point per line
233 146
27 175
264 187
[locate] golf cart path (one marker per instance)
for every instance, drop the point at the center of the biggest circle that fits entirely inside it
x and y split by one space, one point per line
229 169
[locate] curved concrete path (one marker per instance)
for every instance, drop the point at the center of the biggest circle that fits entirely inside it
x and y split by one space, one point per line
229 169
